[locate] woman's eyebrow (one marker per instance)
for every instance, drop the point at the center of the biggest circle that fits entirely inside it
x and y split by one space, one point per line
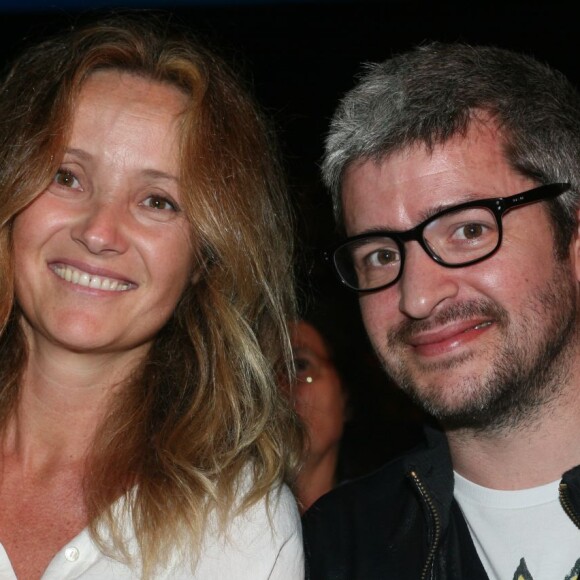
156 174
76 152
152 173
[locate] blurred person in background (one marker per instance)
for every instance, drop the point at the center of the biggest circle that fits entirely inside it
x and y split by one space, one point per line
320 399
354 419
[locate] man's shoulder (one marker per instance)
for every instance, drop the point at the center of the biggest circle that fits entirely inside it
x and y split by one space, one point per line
376 487
363 526
391 488
365 499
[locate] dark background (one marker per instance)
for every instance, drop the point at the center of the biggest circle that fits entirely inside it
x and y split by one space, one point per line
299 58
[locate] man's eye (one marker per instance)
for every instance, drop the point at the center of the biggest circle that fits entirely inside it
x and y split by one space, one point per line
382 257
471 231
65 178
159 203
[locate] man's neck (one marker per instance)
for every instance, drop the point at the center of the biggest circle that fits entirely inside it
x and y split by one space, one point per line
524 456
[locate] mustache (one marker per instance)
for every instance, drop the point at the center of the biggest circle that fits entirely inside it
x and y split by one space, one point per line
405 331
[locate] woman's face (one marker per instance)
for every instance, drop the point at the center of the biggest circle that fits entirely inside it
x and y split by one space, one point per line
320 399
103 255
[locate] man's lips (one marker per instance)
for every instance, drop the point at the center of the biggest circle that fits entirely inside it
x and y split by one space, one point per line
450 337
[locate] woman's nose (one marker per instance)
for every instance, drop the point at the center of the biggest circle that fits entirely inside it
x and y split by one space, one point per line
424 284
101 228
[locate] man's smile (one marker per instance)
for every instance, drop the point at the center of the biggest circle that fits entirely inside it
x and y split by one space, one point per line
448 338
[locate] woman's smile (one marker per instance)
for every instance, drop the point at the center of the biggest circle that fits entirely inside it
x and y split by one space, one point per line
97 282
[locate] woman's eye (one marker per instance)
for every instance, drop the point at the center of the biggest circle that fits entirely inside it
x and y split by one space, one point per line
306 369
157 202
302 364
67 179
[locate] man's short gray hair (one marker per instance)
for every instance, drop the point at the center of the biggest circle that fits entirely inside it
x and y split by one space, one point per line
433 92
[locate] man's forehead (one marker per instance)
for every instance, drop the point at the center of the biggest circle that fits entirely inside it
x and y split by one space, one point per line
482 135
407 185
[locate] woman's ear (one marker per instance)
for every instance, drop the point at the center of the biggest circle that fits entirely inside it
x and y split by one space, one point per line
200 266
196 274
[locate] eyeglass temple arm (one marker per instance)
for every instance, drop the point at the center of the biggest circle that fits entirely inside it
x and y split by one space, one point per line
538 194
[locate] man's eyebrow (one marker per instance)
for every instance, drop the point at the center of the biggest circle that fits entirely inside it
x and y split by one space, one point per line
434 210
425 214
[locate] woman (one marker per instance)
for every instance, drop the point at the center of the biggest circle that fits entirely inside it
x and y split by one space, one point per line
142 321
320 398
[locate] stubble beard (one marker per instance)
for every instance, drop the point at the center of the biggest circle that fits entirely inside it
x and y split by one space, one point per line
526 375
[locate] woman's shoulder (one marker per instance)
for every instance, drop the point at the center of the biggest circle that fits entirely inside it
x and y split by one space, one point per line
263 541
276 511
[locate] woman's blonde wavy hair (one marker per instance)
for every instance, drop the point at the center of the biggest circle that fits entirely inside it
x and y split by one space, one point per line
205 404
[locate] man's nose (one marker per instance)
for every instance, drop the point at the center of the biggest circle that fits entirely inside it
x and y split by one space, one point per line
424 283
101 228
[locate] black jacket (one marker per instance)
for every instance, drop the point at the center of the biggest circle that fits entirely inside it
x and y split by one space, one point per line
401 522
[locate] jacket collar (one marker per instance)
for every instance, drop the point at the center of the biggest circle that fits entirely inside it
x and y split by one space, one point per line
432 465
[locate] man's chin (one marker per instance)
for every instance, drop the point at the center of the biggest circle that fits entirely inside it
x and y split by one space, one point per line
460 403
479 406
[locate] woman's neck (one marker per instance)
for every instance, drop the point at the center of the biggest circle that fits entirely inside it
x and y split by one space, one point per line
317 477
63 396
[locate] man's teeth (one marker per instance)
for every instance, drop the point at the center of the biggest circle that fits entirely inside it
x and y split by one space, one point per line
482 325
88 280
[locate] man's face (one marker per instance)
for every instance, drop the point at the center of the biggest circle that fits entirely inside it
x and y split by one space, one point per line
481 345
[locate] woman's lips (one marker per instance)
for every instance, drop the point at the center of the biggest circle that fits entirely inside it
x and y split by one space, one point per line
449 338
84 277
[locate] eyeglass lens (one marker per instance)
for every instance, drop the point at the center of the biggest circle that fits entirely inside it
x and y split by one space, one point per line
453 238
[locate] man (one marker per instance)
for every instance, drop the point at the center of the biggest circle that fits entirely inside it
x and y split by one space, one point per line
455 172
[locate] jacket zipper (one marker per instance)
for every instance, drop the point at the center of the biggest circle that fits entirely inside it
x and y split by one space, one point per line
567 504
436 520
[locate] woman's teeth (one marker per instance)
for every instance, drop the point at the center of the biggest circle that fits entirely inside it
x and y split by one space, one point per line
88 280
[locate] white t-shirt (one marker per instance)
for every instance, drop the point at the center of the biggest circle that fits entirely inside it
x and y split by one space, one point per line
261 544
520 535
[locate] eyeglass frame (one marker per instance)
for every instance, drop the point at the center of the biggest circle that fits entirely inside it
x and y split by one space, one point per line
498 206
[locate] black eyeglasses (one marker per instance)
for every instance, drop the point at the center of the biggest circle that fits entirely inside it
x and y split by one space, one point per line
455 237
